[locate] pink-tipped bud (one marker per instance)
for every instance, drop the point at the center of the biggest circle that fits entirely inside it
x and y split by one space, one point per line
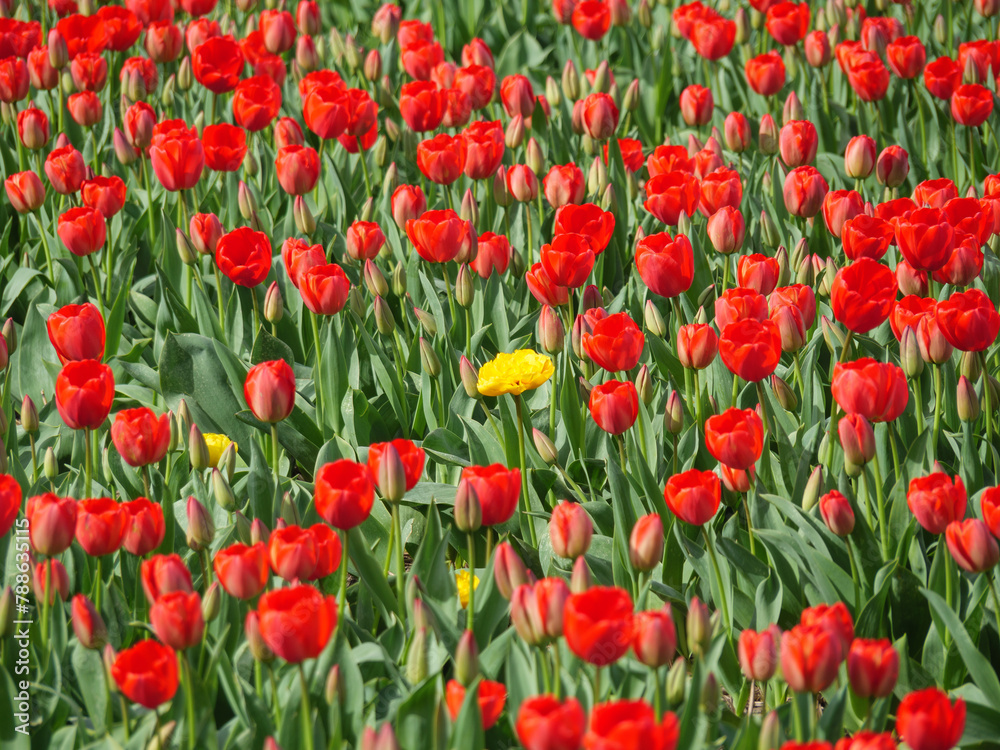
509 571
570 530
645 549
837 513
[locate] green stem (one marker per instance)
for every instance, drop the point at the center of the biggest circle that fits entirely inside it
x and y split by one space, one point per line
723 603
996 600
531 246
918 406
883 522
398 554
468 334
189 700
219 299
256 310
345 537
937 411
854 578
362 154
97 284
88 462
470 610
524 470
949 588
275 455
556 671
45 247
307 728
318 373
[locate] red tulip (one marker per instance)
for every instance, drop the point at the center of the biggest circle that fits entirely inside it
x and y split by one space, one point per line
162 574
244 256
76 332
490 696
25 192
665 263
866 237
497 489
494 253
630 725
65 169
696 105
735 437
543 289
570 530
670 194
140 436
804 191
971 105
869 77
477 82
757 272
862 295
589 220
10 502
810 658
422 105
84 392
51 523
693 496
100 526
839 206
269 390
144 526
600 115
545 723
713 38
484 148
972 545
751 349
615 344
697 345
440 236
242 570
665 159
969 320
82 230
787 22
797 141
33 128
324 288
614 405
654 637
296 622
758 653
298 257
597 624
591 19
872 667
568 259
877 391
719 189
936 500
177 619
344 493
217 64
176 155
420 57
906 56
292 553
441 159
411 457
927 720
146 673
104 194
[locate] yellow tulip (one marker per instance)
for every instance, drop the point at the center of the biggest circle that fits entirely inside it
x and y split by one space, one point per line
524 370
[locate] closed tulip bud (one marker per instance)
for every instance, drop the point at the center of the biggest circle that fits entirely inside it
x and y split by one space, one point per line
767 136
710 694
859 158
6 612
968 401
857 438
676 681
552 91
597 177
630 101
197 449
333 688
255 641
465 288
534 158
770 732
644 14
467 659
832 334
501 195
514 135
551 332
398 279
646 543
469 376
609 200
814 485
259 532
426 321
274 308
50 467
223 493
468 510
644 385
970 366
545 447
837 513
570 81
939 30
784 394
305 222
653 320
374 280
673 415
429 361
994 394
185 250
699 627
88 625
768 231
384 319
784 267
892 167
469 210
909 353
509 571
416 657
246 201
9 333
29 416
167 94
201 527
185 76
585 387
58 51
211 603
243 527
602 79
580 579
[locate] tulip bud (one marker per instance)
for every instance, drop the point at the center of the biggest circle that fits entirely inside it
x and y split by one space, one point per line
699 628
770 732
398 279
509 571
909 353
676 679
246 201
602 78
429 361
305 222
258 648
644 385
29 416
646 543
201 527
580 580
653 320
124 151
88 625
374 280
416 658
832 334
243 528
783 393
551 332
274 308
211 603
384 319
597 177
373 65
467 659
469 210
673 415
968 401
570 81
514 135
609 200
837 513
391 479
185 250
970 366
534 158
333 688
814 486
710 693
465 290
767 138
552 91
857 438
259 532
859 158
197 449
223 493
468 511
545 447
501 195
426 321
50 467
469 376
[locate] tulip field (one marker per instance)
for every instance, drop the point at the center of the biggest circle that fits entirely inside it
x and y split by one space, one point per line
480 375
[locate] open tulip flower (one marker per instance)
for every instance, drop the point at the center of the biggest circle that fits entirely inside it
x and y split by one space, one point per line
586 375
